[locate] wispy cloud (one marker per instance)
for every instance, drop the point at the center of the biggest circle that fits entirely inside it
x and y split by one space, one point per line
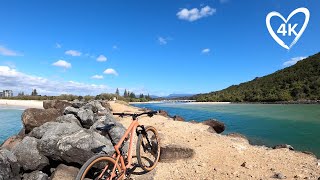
205 51
17 81
58 45
115 47
62 63
102 58
111 71
162 40
8 52
73 53
97 77
293 61
195 13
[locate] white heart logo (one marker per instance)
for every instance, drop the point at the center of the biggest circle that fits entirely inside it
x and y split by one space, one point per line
305 11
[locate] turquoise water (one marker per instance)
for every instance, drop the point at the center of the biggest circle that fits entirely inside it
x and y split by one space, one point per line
263 124
10 122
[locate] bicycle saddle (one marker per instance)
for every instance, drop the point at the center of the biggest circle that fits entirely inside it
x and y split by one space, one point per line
105 128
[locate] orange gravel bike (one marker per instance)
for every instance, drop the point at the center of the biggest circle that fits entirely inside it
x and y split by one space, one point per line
118 166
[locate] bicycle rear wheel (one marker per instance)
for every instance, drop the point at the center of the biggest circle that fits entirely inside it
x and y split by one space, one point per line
148 149
99 167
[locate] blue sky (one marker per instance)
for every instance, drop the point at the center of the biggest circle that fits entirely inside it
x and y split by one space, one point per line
156 47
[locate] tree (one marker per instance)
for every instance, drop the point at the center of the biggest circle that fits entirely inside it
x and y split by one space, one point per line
141 96
125 93
34 92
117 92
132 95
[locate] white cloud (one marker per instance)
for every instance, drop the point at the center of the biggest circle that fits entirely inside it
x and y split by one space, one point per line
293 61
62 63
73 53
115 47
205 51
195 13
8 52
97 77
111 71
162 40
102 58
17 81
58 45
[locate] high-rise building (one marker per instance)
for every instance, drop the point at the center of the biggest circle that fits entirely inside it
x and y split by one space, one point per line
7 93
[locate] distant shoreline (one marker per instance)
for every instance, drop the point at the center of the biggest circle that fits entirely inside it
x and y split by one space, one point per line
21 104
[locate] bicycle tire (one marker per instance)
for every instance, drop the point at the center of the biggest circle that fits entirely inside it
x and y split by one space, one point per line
154 147
92 161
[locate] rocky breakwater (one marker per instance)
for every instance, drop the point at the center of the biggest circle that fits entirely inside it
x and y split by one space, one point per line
57 140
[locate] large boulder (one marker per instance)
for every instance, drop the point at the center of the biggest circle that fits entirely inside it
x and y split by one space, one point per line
11 142
164 113
9 166
71 110
86 117
56 104
116 132
69 142
218 126
106 105
69 118
63 172
285 146
33 117
97 105
178 118
35 175
28 154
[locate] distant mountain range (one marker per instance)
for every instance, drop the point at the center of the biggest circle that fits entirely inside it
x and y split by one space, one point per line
172 96
299 82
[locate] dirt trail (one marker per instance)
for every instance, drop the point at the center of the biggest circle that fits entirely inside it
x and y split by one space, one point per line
221 157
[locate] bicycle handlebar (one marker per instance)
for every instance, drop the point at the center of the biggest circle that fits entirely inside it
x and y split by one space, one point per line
150 113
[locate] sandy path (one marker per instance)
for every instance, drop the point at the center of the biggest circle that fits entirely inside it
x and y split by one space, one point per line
220 157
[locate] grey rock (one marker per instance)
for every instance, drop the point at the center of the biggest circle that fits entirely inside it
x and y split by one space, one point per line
86 117
33 117
217 126
97 105
35 175
71 110
63 172
118 130
106 105
69 118
69 142
28 155
9 166
279 176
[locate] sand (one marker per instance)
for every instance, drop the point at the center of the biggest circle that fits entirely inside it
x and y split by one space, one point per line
219 156
21 103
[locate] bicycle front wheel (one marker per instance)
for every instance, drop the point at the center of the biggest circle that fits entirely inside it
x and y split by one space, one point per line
100 167
148 149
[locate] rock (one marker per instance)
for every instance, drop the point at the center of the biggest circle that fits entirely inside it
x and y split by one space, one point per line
56 104
69 142
9 166
77 104
178 118
28 155
97 105
218 126
164 113
238 136
71 110
63 172
35 175
69 118
283 146
22 132
279 176
11 141
171 153
309 153
86 117
106 105
33 117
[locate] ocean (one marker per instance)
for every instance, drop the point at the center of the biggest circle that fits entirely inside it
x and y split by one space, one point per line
263 124
10 122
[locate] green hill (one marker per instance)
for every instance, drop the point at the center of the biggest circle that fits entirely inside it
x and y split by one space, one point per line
298 82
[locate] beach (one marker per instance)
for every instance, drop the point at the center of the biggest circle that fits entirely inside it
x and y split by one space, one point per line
21 103
219 156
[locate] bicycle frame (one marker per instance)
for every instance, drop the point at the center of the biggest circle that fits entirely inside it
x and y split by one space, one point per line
117 155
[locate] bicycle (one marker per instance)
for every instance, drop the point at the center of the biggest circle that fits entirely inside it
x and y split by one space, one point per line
102 166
